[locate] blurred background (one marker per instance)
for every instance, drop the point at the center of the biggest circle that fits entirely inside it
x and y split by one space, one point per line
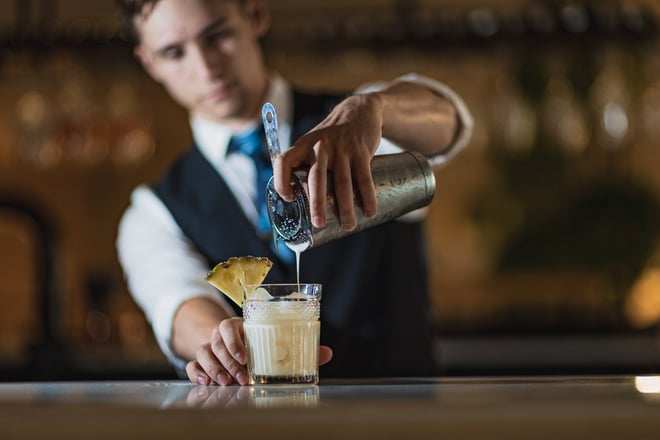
543 234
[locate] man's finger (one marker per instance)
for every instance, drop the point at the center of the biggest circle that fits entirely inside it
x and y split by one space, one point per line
212 366
343 184
229 349
231 337
325 354
196 373
365 185
317 184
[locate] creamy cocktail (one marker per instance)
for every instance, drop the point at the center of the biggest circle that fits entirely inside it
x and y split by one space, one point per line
282 328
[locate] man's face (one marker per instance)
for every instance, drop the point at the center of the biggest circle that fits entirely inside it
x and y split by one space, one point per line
207 55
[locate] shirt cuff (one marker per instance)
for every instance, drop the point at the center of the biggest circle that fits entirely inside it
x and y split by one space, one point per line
465 119
161 324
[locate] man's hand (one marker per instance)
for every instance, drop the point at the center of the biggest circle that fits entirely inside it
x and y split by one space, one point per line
223 360
344 143
410 115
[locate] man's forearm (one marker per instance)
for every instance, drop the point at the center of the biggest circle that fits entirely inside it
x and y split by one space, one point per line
418 119
193 324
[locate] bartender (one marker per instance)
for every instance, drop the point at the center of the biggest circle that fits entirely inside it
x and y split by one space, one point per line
206 207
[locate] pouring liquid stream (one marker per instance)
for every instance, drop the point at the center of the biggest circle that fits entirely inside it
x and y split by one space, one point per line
269 120
297 249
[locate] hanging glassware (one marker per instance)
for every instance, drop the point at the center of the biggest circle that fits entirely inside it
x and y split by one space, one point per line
610 101
565 122
75 128
33 122
649 100
131 140
515 121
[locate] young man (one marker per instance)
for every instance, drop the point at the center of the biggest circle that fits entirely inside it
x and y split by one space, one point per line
375 312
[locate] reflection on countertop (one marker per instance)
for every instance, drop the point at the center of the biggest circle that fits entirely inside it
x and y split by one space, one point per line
593 389
540 407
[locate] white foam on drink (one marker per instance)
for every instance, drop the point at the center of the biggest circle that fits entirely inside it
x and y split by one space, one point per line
298 295
260 294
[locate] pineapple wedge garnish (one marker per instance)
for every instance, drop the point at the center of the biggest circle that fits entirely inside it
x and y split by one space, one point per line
230 276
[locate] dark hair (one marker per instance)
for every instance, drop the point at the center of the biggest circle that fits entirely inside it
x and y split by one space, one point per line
129 9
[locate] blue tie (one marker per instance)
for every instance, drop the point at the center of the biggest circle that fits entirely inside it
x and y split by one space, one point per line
251 145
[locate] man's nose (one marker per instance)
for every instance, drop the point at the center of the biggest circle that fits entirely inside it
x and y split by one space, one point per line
207 62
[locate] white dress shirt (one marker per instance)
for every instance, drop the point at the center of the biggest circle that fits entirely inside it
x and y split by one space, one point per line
163 268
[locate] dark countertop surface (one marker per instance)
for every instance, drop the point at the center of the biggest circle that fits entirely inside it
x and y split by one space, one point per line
539 407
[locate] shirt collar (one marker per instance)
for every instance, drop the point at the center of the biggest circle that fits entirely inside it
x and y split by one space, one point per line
212 138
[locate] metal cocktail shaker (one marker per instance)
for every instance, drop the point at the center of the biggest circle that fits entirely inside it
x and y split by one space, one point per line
403 181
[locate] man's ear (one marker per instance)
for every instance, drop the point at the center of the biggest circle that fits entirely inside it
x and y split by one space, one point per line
145 59
259 16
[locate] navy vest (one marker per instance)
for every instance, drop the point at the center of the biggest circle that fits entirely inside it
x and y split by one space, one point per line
374 308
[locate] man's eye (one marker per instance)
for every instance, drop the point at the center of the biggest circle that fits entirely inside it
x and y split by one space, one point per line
218 36
172 53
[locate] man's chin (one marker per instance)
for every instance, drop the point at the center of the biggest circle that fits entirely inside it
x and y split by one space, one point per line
222 114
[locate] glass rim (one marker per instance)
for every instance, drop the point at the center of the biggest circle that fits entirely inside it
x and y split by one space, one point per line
281 284
282 291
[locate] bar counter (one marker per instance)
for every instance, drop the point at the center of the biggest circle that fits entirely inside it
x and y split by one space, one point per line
542 407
